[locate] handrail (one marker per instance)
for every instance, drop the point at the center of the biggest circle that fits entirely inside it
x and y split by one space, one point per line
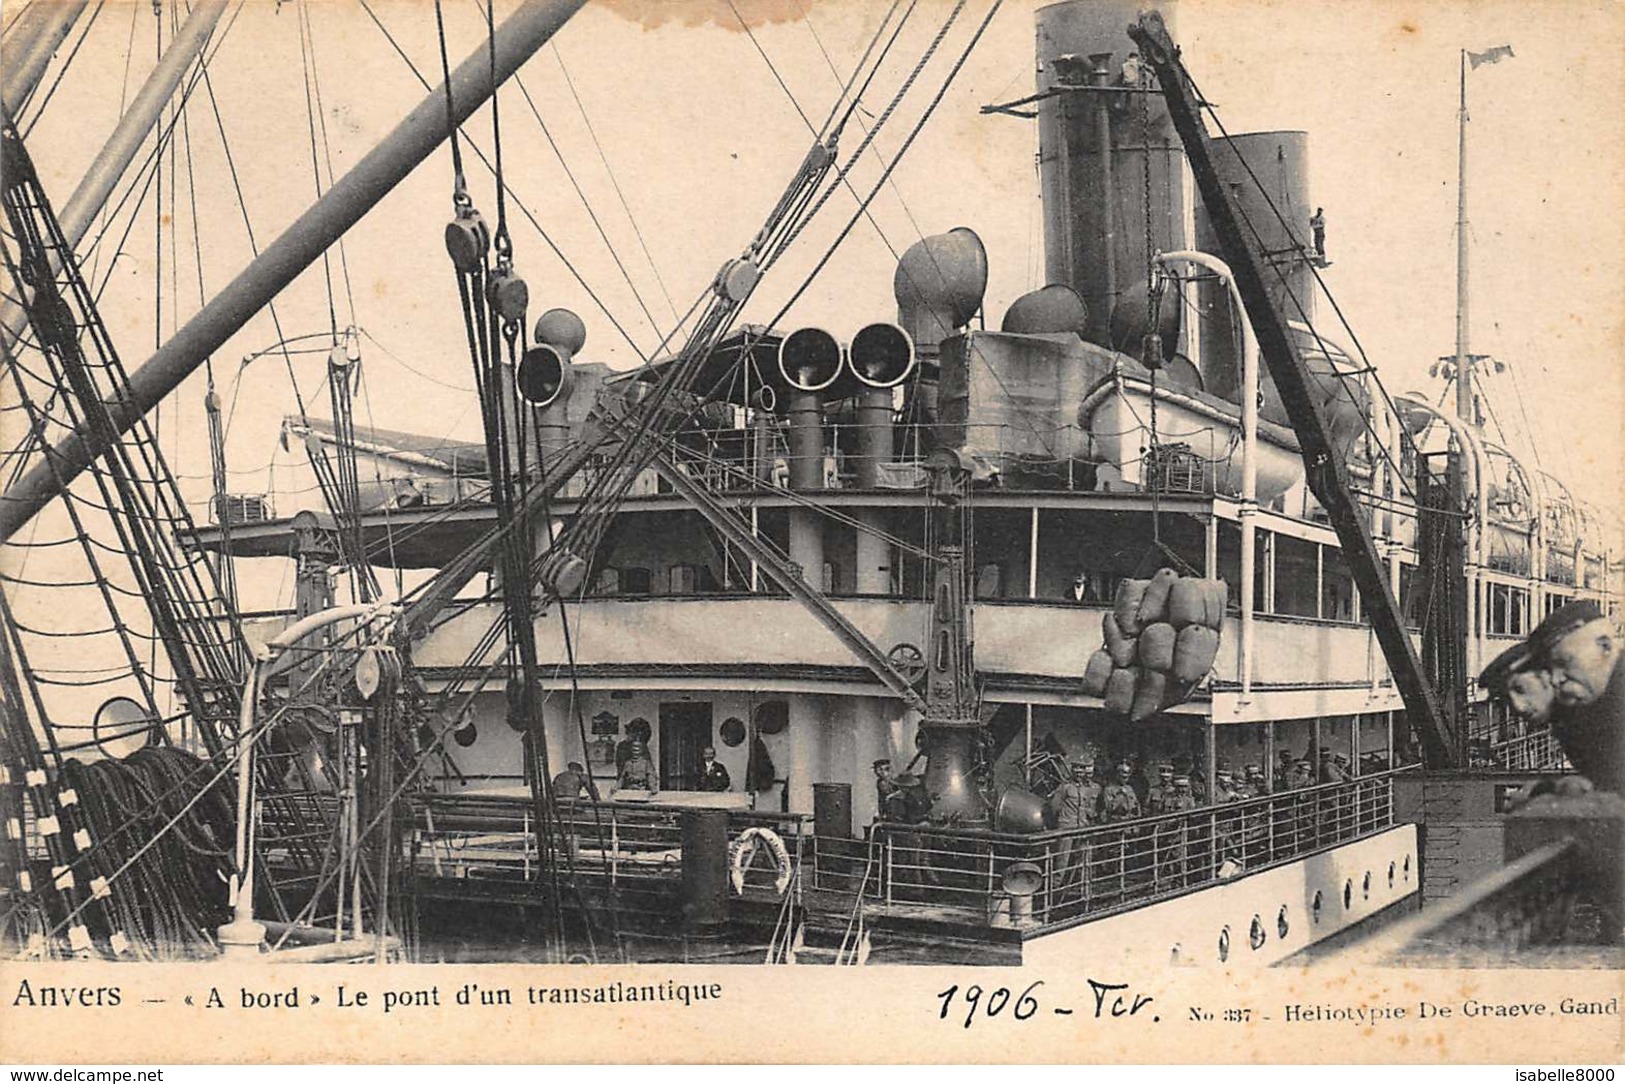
1261 802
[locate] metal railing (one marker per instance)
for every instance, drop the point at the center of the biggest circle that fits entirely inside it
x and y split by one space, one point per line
1058 877
491 837
1534 752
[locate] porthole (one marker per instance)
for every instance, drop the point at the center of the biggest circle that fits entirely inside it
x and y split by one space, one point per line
1255 934
1224 944
1348 894
1281 924
1365 886
1391 871
1314 907
465 735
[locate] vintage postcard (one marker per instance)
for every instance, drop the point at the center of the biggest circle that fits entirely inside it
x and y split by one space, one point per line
1060 532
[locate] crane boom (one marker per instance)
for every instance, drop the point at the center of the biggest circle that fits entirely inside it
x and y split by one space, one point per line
1324 469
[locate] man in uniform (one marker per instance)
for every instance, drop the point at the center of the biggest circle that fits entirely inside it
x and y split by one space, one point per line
638 773
713 776
1118 802
1163 789
1169 836
1581 648
1075 804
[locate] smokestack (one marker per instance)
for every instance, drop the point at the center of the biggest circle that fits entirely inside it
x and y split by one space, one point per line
1096 139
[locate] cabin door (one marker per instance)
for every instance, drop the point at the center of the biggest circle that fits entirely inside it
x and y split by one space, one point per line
685 729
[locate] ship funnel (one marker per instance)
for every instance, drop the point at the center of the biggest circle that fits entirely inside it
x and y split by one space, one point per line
810 359
544 371
1049 310
881 356
1130 321
939 285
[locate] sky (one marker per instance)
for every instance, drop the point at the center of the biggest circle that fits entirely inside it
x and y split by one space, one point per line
672 109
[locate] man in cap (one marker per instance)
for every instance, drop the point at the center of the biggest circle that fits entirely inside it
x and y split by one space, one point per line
1163 789
1170 837
1581 648
1516 677
1076 802
1330 770
1118 802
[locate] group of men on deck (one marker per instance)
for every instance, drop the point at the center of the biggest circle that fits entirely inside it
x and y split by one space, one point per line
1568 675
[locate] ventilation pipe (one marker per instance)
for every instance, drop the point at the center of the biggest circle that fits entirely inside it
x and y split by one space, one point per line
938 285
1055 309
546 378
810 361
880 358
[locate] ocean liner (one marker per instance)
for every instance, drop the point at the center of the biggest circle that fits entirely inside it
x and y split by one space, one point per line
1136 620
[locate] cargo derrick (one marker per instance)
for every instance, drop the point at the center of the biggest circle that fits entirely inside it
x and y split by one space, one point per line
1324 469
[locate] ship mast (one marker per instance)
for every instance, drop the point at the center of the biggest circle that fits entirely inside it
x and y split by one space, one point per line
1464 359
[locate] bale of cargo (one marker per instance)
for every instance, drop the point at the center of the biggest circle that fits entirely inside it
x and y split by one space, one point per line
1156 647
1127 605
1189 601
1096 672
1149 690
1120 690
1194 651
1218 600
1154 603
1120 647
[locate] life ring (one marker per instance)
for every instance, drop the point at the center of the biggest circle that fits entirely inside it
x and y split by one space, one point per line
743 851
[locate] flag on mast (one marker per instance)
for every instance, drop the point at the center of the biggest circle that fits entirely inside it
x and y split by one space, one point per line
1489 56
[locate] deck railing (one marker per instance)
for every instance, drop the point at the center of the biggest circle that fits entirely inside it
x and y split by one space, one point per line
1534 752
1058 877
489 837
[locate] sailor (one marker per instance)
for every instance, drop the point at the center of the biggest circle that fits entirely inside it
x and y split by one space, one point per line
1581 648
713 776
1118 802
1171 865
1163 789
1317 230
1139 780
1079 591
1330 770
638 773
1302 774
1517 677
1254 786
1283 768
1076 802
572 783
1224 787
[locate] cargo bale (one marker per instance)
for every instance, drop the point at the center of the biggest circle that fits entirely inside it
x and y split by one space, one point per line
1120 690
1148 693
1218 600
1120 647
1127 605
1154 603
1096 673
1156 647
1194 652
1188 602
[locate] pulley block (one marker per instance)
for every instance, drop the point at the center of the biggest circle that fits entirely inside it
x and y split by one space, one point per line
468 239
